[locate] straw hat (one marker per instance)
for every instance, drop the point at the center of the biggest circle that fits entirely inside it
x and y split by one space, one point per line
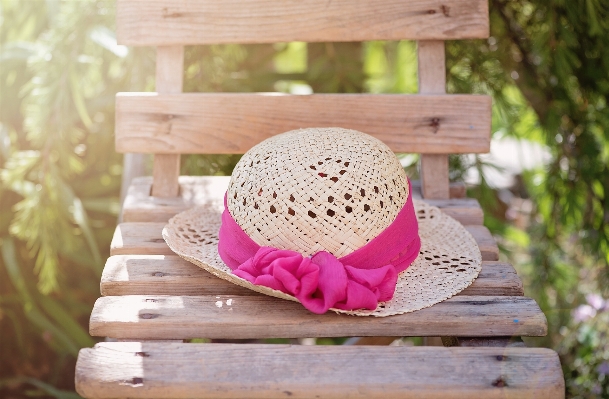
333 190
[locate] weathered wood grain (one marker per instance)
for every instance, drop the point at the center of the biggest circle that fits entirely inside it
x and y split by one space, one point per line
139 206
248 371
432 80
456 189
169 69
486 242
170 22
467 211
172 275
496 278
139 239
165 172
434 176
244 317
144 238
169 79
431 66
232 123
162 275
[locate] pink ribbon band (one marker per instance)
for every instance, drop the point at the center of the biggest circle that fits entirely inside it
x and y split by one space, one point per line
359 280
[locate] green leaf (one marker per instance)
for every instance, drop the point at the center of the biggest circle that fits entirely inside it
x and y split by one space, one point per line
80 217
12 267
29 306
68 324
592 13
43 386
79 101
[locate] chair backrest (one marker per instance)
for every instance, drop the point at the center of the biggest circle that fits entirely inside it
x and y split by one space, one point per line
168 122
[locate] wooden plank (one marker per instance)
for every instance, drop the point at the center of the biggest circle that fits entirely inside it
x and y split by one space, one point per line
162 275
144 238
169 79
432 80
467 211
456 189
170 22
486 242
225 123
169 69
165 172
250 371
432 67
139 206
244 317
139 239
434 176
172 275
496 278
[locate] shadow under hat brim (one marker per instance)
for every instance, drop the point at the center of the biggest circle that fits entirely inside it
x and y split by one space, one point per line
448 262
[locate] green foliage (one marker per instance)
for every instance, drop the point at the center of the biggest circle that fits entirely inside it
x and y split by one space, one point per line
42 388
60 68
546 66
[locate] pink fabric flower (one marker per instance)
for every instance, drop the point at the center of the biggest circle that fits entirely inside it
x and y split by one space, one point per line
320 282
359 280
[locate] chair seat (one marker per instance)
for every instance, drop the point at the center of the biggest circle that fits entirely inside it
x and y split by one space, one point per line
172 275
144 238
149 293
140 206
259 316
178 370
179 300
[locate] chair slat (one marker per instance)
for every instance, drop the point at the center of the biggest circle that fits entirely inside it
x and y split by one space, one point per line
485 240
467 211
247 317
169 79
144 238
171 22
172 275
432 80
250 371
139 206
222 123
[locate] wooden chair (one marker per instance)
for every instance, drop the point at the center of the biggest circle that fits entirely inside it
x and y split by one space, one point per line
152 300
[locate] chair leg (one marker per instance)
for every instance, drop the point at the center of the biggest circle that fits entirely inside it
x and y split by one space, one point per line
432 341
370 340
512 342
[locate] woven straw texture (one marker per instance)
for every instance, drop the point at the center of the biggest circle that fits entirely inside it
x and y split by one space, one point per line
317 189
448 262
329 189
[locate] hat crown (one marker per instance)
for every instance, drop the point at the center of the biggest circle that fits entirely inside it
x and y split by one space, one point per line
317 189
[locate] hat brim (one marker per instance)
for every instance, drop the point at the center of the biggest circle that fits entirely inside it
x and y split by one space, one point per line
448 262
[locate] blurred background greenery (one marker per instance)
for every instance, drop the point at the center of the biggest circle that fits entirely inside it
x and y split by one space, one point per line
546 65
